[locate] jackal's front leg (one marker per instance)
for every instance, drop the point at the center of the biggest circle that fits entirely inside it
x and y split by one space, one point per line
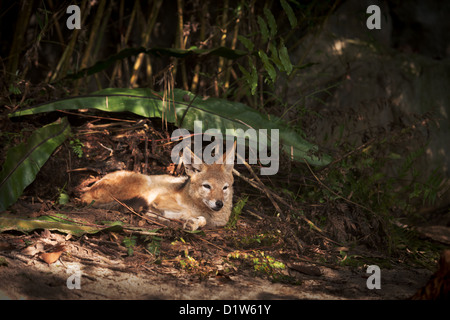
172 210
193 224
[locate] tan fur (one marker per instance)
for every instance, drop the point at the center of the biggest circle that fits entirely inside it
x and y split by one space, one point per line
185 198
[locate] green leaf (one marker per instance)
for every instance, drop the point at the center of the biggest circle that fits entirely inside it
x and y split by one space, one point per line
274 56
290 13
214 112
60 223
246 42
284 58
26 225
394 156
271 21
13 89
263 29
63 198
268 65
250 77
24 161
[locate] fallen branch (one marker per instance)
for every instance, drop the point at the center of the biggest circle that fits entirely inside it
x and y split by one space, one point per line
279 199
261 185
337 195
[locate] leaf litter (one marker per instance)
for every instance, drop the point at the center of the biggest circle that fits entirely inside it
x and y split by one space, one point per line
118 251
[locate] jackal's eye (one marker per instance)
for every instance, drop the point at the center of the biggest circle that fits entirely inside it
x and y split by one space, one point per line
206 186
225 188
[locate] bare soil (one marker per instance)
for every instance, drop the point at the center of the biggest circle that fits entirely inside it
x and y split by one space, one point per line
37 280
188 266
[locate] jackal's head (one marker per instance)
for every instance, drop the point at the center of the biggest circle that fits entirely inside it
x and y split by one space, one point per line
212 184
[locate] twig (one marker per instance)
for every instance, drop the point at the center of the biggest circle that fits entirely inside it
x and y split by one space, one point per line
334 193
349 154
144 217
146 155
132 211
272 194
261 185
109 149
266 191
284 202
204 240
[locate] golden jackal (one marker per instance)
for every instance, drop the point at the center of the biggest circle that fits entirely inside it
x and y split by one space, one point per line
202 198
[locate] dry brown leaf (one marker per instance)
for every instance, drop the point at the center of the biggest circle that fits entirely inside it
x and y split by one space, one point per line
52 257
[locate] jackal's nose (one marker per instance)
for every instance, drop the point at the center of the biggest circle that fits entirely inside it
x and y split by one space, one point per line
219 204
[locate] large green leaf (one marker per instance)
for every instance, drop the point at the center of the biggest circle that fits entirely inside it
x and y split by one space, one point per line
28 225
54 223
213 112
24 161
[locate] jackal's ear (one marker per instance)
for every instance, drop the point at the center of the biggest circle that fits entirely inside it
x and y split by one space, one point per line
192 163
228 158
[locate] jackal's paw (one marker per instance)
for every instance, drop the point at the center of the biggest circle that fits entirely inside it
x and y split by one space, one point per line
194 223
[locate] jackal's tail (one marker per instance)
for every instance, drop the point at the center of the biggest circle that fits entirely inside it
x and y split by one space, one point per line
119 185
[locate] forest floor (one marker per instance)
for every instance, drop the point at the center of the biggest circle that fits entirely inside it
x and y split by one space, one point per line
258 256
188 267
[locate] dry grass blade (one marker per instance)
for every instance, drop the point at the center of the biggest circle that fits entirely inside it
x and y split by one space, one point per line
223 38
181 42
233 45
145 41
64 62
19 36
92 39
196 77
168 82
